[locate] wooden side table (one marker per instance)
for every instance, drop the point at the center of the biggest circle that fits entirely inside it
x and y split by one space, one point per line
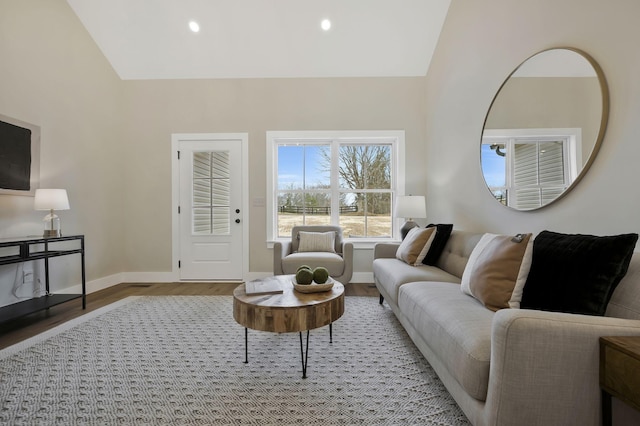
619 372
289 311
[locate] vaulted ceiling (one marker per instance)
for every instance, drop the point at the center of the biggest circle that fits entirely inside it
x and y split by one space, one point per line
151 39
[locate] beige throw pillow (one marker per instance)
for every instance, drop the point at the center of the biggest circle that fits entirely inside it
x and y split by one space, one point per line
317 241
497 270
415 245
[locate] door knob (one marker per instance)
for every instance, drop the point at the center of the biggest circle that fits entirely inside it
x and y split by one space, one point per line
237 220
237 210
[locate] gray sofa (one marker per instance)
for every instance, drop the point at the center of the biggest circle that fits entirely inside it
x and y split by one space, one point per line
513 366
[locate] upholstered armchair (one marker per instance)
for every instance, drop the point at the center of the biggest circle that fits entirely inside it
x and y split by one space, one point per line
315 246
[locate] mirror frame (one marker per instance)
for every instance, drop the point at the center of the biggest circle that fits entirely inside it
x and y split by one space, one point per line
604 92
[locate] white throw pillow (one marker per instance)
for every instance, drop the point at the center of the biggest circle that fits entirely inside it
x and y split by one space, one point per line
317 241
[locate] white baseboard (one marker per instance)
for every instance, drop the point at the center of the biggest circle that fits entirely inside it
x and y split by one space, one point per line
362 278
94 285
149 277
169 277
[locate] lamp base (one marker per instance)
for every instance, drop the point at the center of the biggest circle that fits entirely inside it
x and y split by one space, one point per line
408 226
51 233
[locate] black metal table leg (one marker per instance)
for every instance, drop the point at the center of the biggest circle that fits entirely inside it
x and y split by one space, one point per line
304 354
606 408
246 345
330 332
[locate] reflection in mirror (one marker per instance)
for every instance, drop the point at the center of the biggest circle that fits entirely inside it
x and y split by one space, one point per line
544 128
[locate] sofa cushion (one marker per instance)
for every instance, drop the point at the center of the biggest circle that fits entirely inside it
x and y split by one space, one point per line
625 302
390 274
332 261
457 251
443 231
456 327
415 245
497 270
316 241
576 273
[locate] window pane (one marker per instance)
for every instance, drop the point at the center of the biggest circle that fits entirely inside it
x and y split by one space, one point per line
525 164
299 208
352 218
201 165
366 215
551 163
290 212
525 199
220 220
201 221
220 164
550 194
317 219
365 166
304 167
494 164
379 215
201 192
500 195
290 166
317 167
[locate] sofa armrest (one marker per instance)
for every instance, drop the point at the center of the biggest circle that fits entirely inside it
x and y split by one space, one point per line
385 250
545 365
280 250
347 256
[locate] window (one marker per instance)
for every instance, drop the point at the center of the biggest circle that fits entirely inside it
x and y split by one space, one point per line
529 168
341 178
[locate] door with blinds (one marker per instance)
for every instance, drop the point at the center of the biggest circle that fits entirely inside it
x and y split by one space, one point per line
210 209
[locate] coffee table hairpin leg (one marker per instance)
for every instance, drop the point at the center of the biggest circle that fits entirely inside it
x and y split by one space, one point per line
304 355
304 352
246 346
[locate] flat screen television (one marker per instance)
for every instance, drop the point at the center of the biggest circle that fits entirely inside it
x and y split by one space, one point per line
19 157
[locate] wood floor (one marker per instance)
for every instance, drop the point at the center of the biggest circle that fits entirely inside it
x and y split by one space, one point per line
15 331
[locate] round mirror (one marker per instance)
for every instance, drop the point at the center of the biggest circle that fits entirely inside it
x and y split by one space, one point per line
544 128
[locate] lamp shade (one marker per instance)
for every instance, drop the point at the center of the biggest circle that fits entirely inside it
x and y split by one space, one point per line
51 199
410 206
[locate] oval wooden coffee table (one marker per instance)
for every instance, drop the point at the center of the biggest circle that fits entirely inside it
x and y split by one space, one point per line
289 311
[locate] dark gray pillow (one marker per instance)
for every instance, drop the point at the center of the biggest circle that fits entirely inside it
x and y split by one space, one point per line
443 231
576 273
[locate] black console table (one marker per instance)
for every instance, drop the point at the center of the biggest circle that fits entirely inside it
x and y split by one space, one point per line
30 248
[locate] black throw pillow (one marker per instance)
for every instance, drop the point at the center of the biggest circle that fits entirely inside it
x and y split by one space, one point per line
443 232
576 273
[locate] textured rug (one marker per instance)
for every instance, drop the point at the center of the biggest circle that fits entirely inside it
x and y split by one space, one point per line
179 360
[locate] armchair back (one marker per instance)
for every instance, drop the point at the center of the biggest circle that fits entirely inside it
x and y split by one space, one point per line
295 241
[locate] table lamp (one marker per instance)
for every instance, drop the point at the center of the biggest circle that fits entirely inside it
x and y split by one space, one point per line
51 199
410 207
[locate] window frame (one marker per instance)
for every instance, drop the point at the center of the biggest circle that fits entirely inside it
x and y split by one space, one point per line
572 151
396 138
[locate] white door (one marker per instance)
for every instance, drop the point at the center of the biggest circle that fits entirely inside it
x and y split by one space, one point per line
210 209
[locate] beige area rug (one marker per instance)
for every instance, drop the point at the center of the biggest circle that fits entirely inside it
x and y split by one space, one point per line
179 360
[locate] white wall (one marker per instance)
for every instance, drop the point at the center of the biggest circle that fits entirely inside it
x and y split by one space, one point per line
156 109
53 75
482 42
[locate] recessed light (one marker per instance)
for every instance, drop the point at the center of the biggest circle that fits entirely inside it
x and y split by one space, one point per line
325 24
194 26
